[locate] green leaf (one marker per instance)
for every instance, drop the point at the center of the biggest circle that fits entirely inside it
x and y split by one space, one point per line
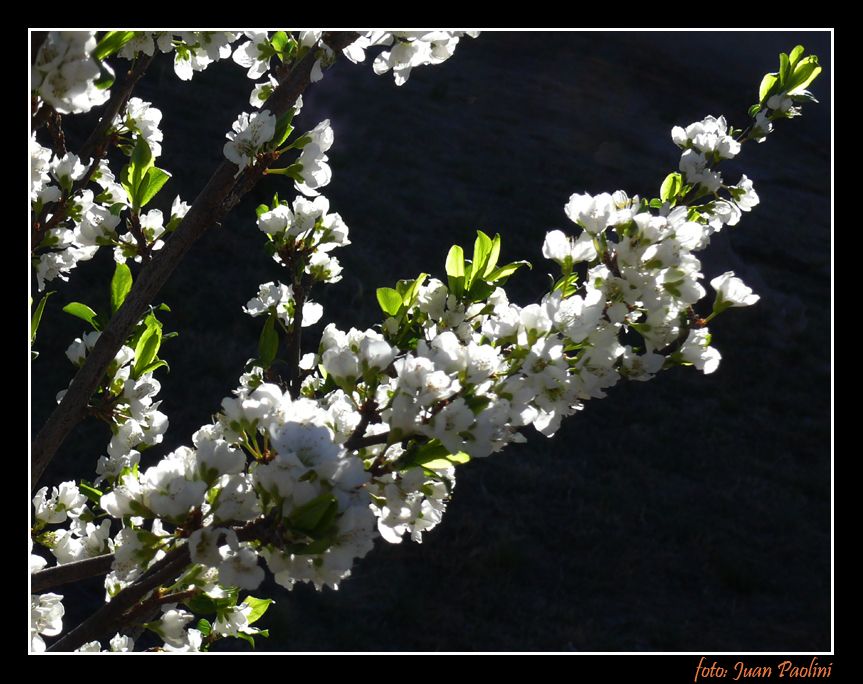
807 70
106 77
279 41
90 492
439 463
283 128
784 70
455 270
754 109
481 253
152 183
261 210
410 293
156 364
135 171
202 604
37 316
493 256
110 43
268 343
204 627
655 203
82 311
259 607
506 271
671 187
147 348
459 459
121 283
164 307
389 300
309 516
768 85
795 56
435 456
246 637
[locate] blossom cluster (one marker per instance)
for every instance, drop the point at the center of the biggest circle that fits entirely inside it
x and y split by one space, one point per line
81 206
64 73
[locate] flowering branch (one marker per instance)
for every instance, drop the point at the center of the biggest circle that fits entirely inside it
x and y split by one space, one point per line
112 615
210 207
364 438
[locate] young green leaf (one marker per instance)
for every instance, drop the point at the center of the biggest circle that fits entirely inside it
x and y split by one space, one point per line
455 270
806 71
410 293
279 41
493 256
784 70
121 284
82 311
146 349
110 43
283 129
106 76
309 516
671 187
150 186
204 627
156 364
268 343
481 253
37 316
768 85
389 300
794 57
90 492
134 172
259 607
506 271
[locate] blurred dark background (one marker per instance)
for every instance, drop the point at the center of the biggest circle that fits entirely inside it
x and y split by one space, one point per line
690 513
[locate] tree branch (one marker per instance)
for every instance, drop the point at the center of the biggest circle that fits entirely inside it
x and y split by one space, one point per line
355 443
109 618
95 144
70 572
220 194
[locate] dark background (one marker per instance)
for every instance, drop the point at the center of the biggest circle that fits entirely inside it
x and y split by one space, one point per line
691 513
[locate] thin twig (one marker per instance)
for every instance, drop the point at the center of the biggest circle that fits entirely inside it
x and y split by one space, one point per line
209 208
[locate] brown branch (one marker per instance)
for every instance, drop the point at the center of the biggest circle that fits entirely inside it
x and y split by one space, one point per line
96 145
355 443
55 129
294 341
209 208
109 618
70 572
